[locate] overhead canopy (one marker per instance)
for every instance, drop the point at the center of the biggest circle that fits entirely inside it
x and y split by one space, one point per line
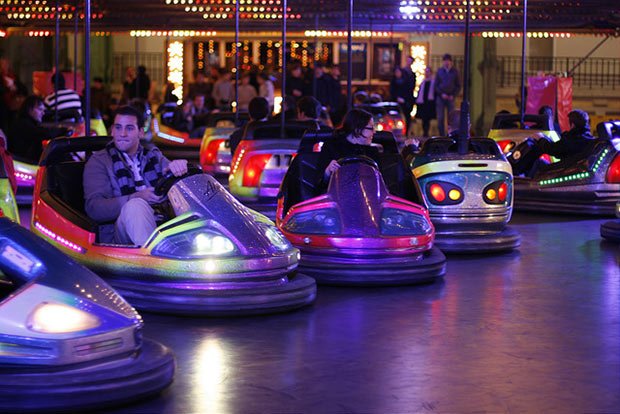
393 15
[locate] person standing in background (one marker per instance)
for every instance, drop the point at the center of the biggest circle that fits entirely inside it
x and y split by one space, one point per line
447 87
141 85
266 89
401 91
425 101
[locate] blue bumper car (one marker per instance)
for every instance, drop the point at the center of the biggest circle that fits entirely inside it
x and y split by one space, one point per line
68 341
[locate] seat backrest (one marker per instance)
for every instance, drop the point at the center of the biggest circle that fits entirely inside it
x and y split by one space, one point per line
386 140
64 180
273 130
311 139
398 177
608 130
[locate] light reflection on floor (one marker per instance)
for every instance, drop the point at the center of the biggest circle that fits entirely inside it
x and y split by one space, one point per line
536 330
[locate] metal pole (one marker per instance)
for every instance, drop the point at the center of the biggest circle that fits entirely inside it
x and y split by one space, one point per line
76 31
370 55
316 30
56 60
523 51
463 143
87 65
137 55
283 49
349 58
237 62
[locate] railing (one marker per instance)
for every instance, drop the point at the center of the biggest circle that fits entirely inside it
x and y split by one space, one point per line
599 73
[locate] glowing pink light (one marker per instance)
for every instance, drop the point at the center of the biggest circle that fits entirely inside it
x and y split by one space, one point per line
59 239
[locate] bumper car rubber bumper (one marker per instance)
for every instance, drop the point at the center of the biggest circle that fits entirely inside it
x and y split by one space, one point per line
381 270
507 239
92 387
189 299
610 230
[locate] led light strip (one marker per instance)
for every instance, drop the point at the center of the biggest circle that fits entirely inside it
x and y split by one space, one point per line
59 239
578 176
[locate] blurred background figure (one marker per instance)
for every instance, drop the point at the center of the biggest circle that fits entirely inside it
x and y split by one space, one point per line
401 91
130 76
141 85
223 91
26 135
425 101
266 89
99 97
64 101
447 87
246 92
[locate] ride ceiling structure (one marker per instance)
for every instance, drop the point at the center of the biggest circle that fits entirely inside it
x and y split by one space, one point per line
580 16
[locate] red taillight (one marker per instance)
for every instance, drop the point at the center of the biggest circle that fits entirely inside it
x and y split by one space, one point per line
613 172
212 148
502 192
438 193
505 145
254 168
1 213
546 158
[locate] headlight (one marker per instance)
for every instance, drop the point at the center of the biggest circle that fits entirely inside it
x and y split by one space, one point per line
193 244
59 318
277 239
323 221
396 222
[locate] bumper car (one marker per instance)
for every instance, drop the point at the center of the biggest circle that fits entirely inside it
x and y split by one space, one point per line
587 183
508 134
26 169
69 342
389 117
359 232
261 161
469 196
215 156
211 257
610 230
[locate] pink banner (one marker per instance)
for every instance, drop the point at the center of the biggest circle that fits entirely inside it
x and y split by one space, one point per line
42 84
565 101
541 90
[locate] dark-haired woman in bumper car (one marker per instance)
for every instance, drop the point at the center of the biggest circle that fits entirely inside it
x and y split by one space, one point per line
358 232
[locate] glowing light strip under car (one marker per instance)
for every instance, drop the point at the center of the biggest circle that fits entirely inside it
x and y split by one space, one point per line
578 176
165 135
457 166
59 239
573 177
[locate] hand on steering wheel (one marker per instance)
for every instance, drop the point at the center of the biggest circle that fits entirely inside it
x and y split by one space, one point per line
169 179
355 159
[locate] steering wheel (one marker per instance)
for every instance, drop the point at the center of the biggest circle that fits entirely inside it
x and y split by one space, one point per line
169 179
358 159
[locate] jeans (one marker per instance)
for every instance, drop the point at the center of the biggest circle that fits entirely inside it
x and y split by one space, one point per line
442 106
135 223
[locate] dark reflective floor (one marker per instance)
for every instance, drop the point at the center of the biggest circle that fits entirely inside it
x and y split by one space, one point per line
535 331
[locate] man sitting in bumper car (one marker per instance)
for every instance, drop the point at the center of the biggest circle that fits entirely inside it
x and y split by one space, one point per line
119 180
572 143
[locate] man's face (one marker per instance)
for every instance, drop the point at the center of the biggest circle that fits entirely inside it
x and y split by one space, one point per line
199 101
126 133
447 64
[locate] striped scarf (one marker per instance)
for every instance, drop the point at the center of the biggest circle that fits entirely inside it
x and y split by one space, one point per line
150 173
